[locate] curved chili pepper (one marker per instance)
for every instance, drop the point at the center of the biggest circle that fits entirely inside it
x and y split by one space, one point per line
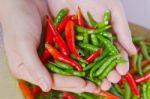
132 84
59 40
25 90
91 57
69 32
142 78
58 56
127 90
80 18
91 19
107 95
63 23
35 90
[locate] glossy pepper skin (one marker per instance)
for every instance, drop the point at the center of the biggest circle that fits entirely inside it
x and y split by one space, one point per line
131 82
80 18
69 32
91 57
58 56
143 78
58 39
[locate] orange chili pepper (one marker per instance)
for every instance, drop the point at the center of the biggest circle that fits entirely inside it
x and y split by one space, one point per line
25 90
107 95
80 18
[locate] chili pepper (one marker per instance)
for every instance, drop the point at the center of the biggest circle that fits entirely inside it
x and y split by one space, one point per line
35 90
103 55
60 42
89 66
88 46
89 27
144 94
82 64
104 66
91 31
94 80
139 64
134 97
43 94
127 90
44 55
136 38
145 62
58 56
135 58
143 77
113 50
115 92
118 89
80 18
81 59
63 23
91 20
132 84
109 68
86 95
91 57
25 90
144 50
147 68
69 32
106 34
62 65
97 65
94 40
106 16
79 37
102 24
74 18
85 38
107 94
67 95
148 89
61 14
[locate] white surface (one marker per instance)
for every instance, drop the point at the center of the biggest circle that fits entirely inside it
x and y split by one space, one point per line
138 11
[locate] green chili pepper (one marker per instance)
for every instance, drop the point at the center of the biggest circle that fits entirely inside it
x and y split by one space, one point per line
104 66
134 97
146 68
94 80
89 66
144 50
98 65
135 57
127 90
102 24
80 51
118 89
103 55
106 34
82 64
113 50
77 73
81 29
106 16
94 40
115 92
55 69
137 39
148 89
88 46
62 65
85 38
91 19
61 14
79 37
144 94
81 59
139 64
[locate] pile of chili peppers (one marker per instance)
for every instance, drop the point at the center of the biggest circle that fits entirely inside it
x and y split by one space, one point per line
72 46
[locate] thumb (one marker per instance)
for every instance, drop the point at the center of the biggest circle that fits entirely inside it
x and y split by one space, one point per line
121 28
32 69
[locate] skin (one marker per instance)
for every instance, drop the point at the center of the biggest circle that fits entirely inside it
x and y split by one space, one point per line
22 21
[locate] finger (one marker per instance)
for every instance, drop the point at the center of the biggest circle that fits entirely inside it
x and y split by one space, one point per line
114 76
73 84
106 85
123 68
121 28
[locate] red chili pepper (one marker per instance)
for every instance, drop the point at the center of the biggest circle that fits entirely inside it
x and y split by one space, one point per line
58 56
59 40
80 18
142 78
67 95
132 84
120 83
91 57
107 95
145 62
35 90
44 55
43 94
69 32
74 18
62 24
90 27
